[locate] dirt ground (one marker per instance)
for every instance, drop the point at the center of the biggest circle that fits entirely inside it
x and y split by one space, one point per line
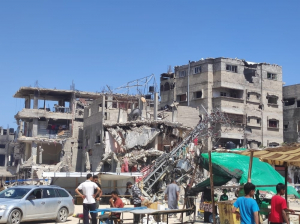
78 209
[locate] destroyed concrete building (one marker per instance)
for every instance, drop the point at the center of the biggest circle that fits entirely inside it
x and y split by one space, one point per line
291 113
50 128
249 93
6 158
129 130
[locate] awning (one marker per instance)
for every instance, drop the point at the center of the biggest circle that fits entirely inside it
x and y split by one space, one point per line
104 176
275 156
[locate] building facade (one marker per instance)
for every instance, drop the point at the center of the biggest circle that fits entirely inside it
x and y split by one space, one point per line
50 130
249 93
291 113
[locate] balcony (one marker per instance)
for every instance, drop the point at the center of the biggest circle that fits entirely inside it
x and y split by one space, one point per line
61 113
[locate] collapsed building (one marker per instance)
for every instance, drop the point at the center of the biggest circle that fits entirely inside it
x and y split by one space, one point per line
249 93
128 134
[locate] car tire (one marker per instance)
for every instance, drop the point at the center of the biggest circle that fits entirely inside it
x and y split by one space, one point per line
62 215
14 217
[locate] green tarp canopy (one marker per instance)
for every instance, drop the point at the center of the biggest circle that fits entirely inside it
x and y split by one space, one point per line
229 165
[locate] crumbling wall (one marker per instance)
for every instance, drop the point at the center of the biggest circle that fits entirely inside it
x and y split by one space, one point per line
134 137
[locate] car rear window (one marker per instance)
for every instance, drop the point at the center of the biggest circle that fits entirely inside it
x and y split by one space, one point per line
63 193
49 193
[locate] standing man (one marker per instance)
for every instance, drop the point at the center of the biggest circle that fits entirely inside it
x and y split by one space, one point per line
137 199
98 196
279 207
172 195
88 196
247 205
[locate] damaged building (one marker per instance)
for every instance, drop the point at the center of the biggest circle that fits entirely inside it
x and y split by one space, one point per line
50 128
250 94
291 113
6 157
129 127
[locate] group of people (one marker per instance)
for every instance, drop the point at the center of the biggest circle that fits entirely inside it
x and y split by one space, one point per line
91 193
248 208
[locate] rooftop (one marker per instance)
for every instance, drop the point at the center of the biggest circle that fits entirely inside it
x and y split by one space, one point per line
46 93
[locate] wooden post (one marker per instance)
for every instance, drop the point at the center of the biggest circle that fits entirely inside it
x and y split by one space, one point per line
286 180
250 167
212 191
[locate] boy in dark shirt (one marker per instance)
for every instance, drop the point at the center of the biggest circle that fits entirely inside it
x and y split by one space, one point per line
98 196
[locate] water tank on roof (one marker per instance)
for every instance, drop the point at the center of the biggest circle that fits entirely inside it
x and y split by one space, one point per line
151 89
230 145
11 130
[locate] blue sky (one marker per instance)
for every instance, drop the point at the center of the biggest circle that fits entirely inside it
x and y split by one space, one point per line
98 43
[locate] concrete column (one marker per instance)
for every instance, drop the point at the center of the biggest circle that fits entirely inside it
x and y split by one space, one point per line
109 102
174 114
34 127
102 120
120 116
36 100
156 142
132 106
27 102
6 154
33 152
1 131
155 105
40 155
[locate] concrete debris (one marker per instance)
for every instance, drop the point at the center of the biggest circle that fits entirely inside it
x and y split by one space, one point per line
134 137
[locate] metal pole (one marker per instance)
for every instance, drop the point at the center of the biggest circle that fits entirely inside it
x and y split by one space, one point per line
212 188
188 85
285 180
250 167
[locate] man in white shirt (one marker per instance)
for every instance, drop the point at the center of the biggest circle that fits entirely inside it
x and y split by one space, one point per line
88 196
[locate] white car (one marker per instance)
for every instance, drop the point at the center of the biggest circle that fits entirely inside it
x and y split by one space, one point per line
35 203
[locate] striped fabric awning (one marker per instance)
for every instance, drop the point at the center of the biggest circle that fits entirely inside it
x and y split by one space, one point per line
275 156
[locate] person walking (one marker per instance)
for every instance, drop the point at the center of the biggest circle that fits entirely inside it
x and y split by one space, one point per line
98 196
88 196
247 205
172 195
279 207
137 199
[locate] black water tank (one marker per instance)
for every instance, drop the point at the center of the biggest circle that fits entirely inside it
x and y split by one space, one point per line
151 89
230 145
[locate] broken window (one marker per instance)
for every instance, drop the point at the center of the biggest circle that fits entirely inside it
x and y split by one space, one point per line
182 74
298 103
2 160
197 70
289 102
273 123
2 146
233 94
106 116
272 99
258 120
223 94
249 119
161 88
98 139
198 94
232 68
272 76
285 127
249 74
181 98
167 86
